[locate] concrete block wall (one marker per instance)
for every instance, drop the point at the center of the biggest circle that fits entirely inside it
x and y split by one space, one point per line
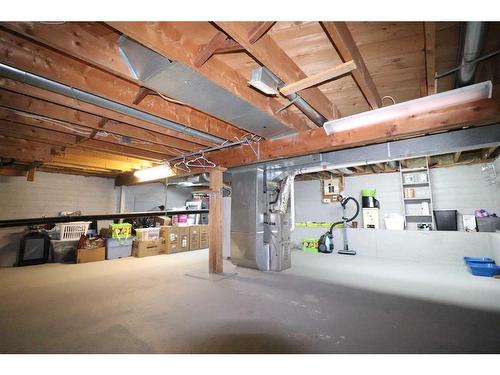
147 196
463 188
47 195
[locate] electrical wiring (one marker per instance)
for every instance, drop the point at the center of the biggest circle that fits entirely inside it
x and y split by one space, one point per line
73 128
170 99
388 97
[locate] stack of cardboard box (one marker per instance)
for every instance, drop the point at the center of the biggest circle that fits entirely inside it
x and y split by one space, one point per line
147 248
177 239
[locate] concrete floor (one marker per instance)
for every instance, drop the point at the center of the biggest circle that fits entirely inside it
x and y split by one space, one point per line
324 304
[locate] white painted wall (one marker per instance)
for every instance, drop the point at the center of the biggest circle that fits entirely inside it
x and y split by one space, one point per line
463 188
47 195
147 196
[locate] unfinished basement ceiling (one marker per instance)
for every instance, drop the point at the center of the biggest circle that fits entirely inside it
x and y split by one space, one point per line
47 131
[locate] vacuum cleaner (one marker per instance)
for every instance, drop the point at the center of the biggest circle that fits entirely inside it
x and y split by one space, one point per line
325 244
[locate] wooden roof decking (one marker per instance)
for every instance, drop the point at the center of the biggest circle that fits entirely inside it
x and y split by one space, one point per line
39 125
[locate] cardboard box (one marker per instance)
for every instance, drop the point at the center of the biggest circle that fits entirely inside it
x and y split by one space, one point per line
194 237
147 248
90 255
204 236
170 236
184 238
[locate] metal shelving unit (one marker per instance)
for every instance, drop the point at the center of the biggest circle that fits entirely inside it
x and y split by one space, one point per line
411 216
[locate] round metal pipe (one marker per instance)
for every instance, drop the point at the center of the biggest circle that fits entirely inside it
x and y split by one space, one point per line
59 88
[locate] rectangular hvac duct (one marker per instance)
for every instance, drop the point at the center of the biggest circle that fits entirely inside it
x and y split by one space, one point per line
181 83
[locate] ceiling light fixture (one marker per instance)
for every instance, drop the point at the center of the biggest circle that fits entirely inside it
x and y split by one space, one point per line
154 173
426 104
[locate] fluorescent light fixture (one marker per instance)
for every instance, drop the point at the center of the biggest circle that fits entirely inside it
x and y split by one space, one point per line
154 173
429 103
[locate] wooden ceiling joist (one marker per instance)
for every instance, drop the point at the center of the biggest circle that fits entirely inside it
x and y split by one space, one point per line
54 111
488 152
269 53
166 39
106 81
168 137
258 31
341 37
430 56
220 42
318 78
311 141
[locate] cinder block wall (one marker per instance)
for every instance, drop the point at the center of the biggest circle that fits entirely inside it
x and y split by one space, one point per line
463 188
147 196
47 195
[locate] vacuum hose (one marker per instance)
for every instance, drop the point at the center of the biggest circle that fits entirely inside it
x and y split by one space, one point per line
343 202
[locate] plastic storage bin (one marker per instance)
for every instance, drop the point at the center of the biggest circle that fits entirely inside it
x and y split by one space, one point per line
483 260
484 269
488 224
147 234
73 231
118 248
63 251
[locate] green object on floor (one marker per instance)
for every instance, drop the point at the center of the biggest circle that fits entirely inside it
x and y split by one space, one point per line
368 192
310 245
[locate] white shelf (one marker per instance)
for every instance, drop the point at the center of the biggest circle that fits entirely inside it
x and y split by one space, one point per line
409 170
416 184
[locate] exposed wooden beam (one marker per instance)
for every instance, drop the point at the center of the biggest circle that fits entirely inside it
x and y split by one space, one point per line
142 93
112 80
68 115
318 78
270 54
359 168
166 39
430 57
206 51
13 120
488 152
229 46
111 120
12 171
258 31
456 156
215 221
341 37
33 133
311 141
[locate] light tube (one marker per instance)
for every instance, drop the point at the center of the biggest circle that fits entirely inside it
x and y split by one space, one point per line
154 173
426 104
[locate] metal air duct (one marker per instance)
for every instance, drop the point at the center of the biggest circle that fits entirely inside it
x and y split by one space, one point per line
473 41
59 88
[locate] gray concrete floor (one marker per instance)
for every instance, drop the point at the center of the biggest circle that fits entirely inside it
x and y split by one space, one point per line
149 305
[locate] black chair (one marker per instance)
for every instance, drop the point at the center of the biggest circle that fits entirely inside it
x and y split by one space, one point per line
446 220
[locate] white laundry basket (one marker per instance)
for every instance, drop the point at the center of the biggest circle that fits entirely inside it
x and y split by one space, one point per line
74 230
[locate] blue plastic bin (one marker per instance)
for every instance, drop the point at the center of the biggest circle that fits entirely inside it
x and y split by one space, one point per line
118 248
484 269
483 260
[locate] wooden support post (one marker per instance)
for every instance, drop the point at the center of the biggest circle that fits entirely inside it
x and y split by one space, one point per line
215 221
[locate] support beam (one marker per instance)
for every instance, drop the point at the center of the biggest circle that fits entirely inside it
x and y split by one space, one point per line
342 40
488 152
359 168
430 57
206 51
258 31
318 78
456 156
270 54
169 137
215 222
12 172
97 45
167 39
472 114
68 115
